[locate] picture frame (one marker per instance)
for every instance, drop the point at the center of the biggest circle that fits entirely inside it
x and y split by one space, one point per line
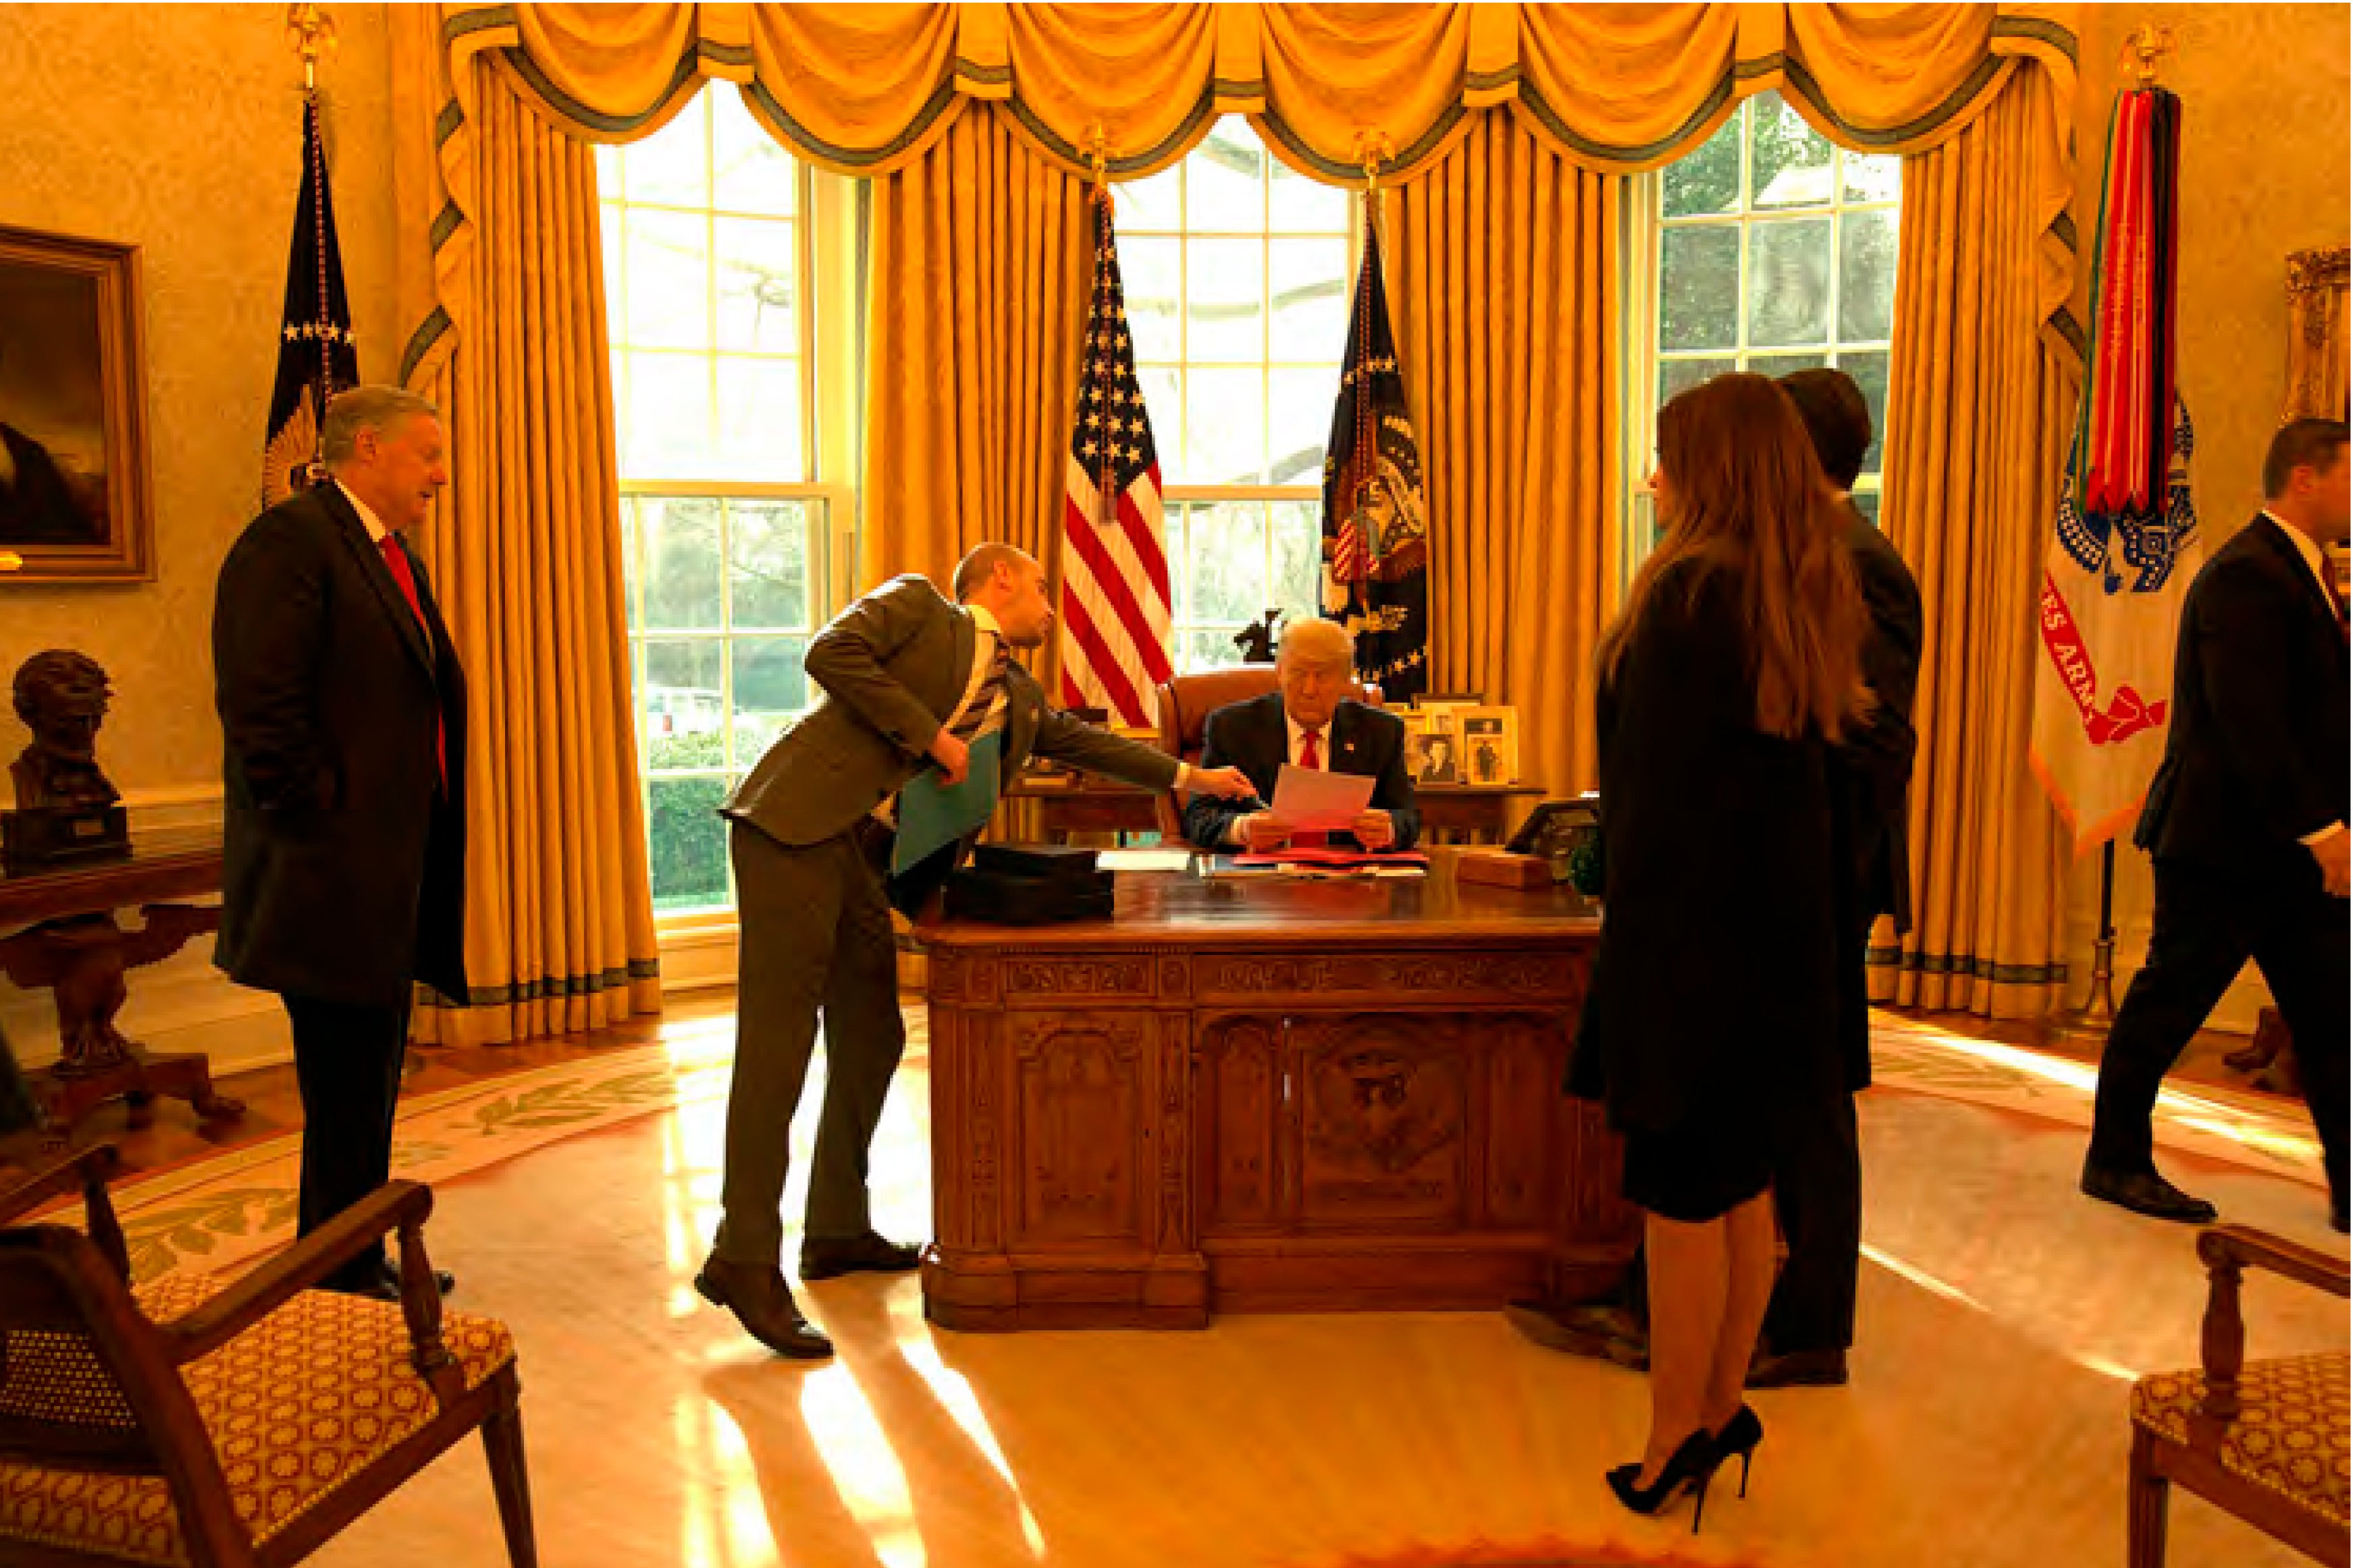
75 497
1490 745
1431 748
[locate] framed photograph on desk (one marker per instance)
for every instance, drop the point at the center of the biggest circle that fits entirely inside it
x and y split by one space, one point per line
1489 746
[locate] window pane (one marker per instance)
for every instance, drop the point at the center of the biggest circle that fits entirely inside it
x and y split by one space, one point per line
1870 373
1778 366
608 172
1308 284
609 228
1793 163
771 690
1299 418
668 168
768 569
1681 374
668 300
1699 287
755 284
1789 282
1157 202
1228 562
1867 503
760 420
1174 537
1224 428
1707 179
1297 204
1872 179
1298 529
681 562
632 568
755 173
683 704
1208 647
1164 402
668 433
1867 277
1151 275
1224 181
687 842
1224 301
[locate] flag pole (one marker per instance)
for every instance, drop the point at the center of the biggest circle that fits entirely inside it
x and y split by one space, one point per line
2090 1023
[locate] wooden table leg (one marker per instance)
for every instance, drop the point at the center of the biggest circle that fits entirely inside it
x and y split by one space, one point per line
82 961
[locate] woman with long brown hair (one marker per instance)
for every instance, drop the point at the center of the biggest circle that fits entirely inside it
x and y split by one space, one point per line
1711 1031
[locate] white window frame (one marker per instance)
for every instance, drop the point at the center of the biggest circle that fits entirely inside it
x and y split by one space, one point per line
1641 358
830 258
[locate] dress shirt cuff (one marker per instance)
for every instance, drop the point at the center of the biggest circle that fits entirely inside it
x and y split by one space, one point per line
2311 839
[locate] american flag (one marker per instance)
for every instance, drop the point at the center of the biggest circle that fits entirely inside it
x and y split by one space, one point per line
1114 572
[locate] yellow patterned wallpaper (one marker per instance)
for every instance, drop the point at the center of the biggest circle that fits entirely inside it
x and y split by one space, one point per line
179 129
2266 114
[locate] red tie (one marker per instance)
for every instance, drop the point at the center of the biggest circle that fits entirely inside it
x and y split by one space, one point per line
395 559
1309 757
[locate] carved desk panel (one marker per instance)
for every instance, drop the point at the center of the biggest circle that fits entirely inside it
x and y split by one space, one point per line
1252 1095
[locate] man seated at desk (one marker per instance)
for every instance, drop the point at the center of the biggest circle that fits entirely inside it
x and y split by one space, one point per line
1309 722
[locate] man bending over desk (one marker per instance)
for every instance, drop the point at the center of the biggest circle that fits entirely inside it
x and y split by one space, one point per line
1309 722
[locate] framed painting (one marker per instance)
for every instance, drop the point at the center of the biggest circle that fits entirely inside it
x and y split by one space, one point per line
74 502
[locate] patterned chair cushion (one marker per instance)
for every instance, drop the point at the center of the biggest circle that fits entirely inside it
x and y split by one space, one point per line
295 1405
2290 1436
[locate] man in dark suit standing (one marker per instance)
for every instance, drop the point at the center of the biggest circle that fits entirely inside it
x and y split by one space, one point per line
1818 1188
343 711
1306 723
909 682
2245 825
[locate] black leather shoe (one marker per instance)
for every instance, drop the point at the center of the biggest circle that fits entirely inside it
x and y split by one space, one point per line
1799 1369
755 1293
868 1254
2336 1215
383 1283
2146 1192
1597 1333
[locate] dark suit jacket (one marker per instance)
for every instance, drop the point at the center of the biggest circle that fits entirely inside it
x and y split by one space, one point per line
1715 994
1252 736
1875 758
2256 755
892 668
343 876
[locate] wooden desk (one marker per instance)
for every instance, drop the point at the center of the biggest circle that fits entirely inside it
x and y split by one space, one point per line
1458 813
1258 1095
70 945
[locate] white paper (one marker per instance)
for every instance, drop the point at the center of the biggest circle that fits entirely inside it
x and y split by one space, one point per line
1143 859
1313 800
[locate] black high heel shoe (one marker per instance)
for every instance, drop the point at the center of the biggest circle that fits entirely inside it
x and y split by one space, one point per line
1740 1435
1693 1461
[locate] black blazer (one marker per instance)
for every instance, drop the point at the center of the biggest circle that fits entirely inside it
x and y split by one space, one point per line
2256 755
1253 737
1874 759
344 877
1714 991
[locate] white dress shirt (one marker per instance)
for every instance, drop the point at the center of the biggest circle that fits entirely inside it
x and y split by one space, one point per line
376 529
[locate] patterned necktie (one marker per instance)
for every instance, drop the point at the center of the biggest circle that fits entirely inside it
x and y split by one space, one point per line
985 711
1309 757
395 561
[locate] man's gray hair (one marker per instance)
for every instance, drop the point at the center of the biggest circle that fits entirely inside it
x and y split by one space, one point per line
377 408
1314 641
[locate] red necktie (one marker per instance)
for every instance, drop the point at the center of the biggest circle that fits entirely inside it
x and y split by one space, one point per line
396 559
1309 757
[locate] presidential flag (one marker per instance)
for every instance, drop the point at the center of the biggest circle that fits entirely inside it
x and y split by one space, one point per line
1375 523
2123 548
1115 598
316 355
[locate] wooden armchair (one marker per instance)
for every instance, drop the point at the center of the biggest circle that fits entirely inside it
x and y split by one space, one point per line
189 1422
1186 701
2265 1440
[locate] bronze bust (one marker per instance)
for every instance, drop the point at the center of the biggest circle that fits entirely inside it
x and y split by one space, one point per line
61 696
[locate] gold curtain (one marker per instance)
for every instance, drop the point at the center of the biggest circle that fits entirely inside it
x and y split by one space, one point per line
981 260
1505 258
1980 404
525 550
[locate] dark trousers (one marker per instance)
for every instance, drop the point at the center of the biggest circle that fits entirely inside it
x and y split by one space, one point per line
1818 1195
18 1110
815 938
347 1064
2208 923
